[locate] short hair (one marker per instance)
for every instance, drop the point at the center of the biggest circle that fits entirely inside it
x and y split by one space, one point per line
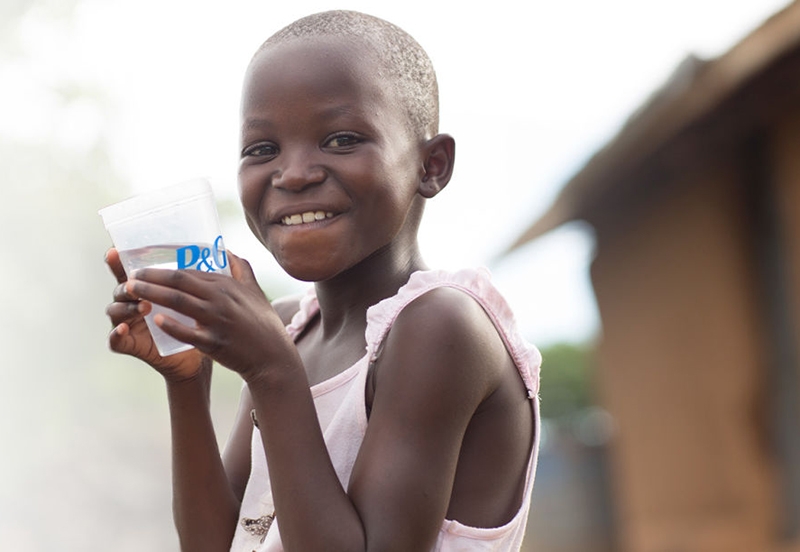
406 64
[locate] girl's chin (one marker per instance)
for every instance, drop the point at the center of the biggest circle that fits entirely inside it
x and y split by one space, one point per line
306 272
311 260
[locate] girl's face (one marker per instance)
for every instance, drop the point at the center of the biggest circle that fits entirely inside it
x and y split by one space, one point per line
329 168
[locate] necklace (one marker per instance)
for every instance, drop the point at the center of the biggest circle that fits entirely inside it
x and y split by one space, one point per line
259 527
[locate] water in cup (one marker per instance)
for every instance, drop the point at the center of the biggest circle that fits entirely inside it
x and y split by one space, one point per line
170 257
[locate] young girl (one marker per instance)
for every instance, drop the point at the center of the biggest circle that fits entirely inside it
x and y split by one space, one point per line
391 408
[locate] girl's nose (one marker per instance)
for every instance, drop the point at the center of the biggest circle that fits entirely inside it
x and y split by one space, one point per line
297 173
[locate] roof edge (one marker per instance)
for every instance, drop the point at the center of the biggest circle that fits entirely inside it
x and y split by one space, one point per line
692 91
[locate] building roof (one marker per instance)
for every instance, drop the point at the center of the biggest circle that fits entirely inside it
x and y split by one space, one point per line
677 120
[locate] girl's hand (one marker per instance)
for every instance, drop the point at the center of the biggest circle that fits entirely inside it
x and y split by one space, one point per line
131 336
236 324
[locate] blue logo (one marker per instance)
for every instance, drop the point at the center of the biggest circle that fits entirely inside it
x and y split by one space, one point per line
205 259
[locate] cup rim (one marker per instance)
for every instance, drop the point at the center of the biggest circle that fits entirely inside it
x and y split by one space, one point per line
155 200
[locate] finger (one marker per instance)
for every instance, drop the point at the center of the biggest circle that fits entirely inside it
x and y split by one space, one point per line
120 312
192 282
175 299
122 340
121 294
241 269
200 337
119 339
115 264
181 332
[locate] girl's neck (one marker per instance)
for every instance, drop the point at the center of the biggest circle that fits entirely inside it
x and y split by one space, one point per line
344 299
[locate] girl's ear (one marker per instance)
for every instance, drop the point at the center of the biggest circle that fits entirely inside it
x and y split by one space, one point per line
440 153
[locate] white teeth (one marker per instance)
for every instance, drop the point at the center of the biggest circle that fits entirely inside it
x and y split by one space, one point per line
308 216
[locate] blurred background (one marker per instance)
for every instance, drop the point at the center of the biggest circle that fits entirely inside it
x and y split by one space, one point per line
627 170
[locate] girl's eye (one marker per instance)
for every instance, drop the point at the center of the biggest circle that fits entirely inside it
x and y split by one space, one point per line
260 150
342 141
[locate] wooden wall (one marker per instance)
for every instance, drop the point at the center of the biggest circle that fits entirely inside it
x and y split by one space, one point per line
681 371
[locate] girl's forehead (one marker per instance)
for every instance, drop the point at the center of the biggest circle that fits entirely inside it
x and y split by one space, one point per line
315 68
329 56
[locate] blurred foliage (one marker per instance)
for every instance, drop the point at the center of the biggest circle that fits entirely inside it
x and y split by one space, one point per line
566 381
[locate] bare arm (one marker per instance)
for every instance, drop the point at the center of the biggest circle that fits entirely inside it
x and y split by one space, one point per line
237 452
439 365
205 503
236 455
207 491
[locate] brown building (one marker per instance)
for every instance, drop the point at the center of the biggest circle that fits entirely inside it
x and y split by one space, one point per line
696 209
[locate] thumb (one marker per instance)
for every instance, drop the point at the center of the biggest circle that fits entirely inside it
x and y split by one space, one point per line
241 269
115 264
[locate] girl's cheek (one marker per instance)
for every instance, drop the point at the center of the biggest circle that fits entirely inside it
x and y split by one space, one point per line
250 191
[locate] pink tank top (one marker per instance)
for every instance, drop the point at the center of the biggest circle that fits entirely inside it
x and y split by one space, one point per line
341 410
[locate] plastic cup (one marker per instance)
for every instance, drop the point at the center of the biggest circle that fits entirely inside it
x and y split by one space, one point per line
174 228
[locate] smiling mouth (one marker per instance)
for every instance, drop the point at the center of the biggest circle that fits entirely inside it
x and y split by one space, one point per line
305 218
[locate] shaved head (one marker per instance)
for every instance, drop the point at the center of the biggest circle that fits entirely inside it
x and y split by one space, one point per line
403 62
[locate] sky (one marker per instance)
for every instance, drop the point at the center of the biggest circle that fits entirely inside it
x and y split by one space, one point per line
528 90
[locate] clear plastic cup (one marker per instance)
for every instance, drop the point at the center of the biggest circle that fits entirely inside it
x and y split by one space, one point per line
174 228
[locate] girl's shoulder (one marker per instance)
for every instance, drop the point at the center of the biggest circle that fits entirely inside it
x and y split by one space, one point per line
443 312
452 326
449 325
